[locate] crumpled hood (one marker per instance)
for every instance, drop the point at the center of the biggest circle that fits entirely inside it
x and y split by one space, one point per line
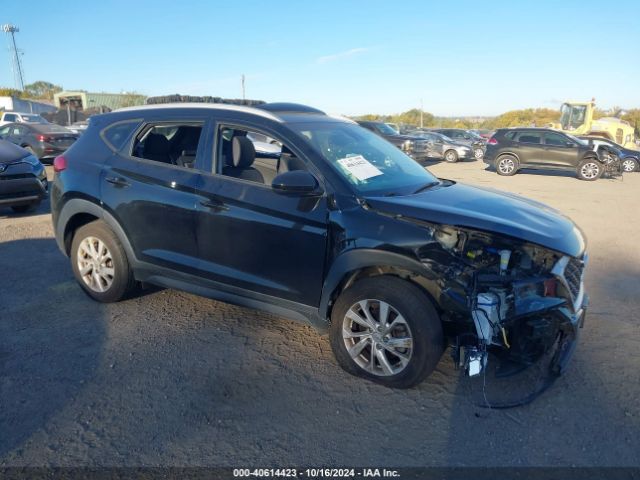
489 210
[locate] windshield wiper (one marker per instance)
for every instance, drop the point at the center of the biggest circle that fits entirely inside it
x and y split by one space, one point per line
426 187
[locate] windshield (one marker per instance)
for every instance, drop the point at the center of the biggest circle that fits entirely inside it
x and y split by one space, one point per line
33 119
384 129
369 163
572 116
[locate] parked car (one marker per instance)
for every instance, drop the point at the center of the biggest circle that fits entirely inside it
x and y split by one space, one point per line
44 140
18 117
23 179
416 147
511 149
395 126
78 127
465 137
483 132
630 158
342 231
445 148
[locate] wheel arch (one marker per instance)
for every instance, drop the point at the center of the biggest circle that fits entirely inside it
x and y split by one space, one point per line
363 263
510 153
77 212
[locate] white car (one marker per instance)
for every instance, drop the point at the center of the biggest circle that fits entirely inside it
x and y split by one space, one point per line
18 117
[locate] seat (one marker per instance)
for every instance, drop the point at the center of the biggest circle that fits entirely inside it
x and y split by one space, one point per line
239 164
156 147
186 139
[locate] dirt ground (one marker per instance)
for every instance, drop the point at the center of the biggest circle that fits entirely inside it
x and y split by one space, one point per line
173 379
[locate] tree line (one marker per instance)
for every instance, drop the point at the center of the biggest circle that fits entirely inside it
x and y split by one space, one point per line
539 117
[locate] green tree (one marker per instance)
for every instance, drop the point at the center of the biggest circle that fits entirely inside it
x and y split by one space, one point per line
633 117
10 92
41 90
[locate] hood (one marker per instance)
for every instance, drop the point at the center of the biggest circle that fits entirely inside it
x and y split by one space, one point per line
10 152
489 210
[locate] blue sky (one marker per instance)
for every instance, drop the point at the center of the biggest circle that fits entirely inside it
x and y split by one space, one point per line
349 57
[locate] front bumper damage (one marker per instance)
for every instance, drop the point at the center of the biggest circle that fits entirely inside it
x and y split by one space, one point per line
521 319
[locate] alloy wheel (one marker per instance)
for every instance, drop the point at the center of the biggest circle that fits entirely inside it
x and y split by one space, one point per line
590 170
629 165
95 264
377 337
506 165
478 153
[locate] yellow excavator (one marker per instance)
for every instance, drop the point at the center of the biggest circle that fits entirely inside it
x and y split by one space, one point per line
576 118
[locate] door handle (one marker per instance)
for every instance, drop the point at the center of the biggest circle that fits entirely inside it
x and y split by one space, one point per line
215 205
117 181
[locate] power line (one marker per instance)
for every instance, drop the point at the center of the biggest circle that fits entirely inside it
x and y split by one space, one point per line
16 65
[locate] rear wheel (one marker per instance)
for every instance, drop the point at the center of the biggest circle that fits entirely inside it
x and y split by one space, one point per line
630 165
507 165
385 329
100 263
589 169
478 153
451 156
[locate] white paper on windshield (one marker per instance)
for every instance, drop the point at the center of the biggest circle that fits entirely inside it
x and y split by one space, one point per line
359 167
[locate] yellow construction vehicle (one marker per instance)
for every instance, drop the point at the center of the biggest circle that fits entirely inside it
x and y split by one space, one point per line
576 118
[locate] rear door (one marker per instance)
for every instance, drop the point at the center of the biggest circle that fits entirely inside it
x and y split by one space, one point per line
149 186
560 151
529 148
249 236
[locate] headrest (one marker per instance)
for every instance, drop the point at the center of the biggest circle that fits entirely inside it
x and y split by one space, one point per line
244 153
156 143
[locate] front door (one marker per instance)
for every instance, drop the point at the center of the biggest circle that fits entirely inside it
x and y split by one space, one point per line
251 237
560 151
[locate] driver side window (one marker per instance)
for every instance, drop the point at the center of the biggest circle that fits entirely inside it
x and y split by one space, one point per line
254 156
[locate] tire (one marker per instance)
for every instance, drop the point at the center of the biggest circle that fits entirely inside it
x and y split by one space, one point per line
630 165
450 156
25 208
114 280
507 165
478 153
417 332
589 169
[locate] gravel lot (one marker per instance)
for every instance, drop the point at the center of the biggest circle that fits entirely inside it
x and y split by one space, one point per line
173 379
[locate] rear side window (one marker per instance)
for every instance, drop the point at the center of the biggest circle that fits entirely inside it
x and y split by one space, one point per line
529 137
117 134
9 117
171 143
510 135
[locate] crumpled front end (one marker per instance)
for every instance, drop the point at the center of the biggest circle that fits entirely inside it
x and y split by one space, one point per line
514 299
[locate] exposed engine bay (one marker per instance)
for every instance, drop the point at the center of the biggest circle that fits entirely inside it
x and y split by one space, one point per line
521 299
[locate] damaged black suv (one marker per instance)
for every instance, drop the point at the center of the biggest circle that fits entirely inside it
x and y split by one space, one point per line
283 208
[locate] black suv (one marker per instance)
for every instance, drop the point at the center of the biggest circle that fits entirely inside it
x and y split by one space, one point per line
339 229
416 147
511 149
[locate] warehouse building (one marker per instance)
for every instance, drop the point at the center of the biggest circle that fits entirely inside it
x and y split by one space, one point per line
102 102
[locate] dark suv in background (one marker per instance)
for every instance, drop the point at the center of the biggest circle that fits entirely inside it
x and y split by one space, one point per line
23 179
416 147
340 230
511 149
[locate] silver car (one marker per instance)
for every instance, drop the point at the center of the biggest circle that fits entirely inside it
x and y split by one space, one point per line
446 148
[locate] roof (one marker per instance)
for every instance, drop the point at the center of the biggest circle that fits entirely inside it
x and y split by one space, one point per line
204 106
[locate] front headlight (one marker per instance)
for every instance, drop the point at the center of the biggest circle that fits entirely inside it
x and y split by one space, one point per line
407 146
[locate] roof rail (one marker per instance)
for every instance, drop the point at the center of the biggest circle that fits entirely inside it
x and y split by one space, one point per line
284 107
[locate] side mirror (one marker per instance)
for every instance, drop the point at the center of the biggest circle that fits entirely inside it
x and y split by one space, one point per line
570 144
296 182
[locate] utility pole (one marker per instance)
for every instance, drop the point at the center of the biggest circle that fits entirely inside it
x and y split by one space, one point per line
243 97
17 66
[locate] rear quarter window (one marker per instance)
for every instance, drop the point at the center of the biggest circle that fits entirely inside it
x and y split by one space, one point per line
117 134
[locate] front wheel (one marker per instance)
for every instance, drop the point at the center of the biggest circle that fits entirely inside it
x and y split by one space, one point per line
630 165
451 156
507 165
100 263
386 329
589 169
478 153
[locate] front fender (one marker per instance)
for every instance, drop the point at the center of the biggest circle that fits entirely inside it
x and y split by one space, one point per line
357 259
